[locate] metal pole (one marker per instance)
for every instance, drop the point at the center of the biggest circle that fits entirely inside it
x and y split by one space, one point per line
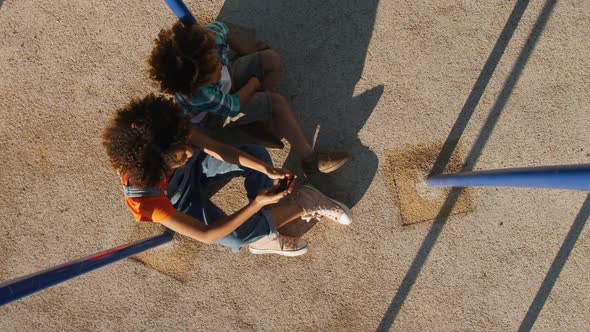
574 177
179 9
18 288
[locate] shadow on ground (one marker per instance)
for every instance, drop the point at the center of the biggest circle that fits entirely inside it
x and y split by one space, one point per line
323 46
483 137
556 267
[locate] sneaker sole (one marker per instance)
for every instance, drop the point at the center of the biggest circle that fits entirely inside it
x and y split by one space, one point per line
341 205
278 252
334 167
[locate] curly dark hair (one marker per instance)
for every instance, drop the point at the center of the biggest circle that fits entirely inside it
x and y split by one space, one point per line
142 138
182 58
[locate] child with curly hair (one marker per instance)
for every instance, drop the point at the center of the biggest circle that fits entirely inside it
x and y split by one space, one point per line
166 168
193 63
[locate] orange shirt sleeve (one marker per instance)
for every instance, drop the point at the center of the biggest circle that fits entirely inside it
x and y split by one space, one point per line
155 208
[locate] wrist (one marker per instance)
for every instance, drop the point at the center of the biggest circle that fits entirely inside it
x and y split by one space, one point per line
266 169
256 203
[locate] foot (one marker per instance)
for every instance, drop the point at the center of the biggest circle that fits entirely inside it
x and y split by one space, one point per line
324 162
316 205
280 245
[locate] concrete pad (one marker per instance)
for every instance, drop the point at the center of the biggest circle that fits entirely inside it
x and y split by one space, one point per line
406 171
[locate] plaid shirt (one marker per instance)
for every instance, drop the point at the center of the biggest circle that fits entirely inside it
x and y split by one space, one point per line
221 36
211 98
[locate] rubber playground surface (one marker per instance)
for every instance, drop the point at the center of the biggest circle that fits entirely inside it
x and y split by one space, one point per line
502 83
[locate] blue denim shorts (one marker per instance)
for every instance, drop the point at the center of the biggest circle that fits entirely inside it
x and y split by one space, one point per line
188 192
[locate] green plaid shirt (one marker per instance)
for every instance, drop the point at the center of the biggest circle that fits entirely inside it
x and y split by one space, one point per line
211 98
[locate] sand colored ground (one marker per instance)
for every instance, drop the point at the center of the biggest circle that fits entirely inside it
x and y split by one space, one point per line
367 76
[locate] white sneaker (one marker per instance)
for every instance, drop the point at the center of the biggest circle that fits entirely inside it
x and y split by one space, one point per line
315 205
279 245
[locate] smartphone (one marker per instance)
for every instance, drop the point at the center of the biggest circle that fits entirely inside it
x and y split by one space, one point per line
284 184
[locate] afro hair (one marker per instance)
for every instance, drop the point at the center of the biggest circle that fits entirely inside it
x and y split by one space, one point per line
142 138
182 58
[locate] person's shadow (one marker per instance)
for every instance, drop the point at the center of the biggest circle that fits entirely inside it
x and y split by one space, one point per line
323 46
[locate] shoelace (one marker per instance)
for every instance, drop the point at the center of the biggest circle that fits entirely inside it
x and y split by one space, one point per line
330 213
307 215
315 213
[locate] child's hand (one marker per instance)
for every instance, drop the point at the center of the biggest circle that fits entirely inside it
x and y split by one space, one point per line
278 173
270 196
286 184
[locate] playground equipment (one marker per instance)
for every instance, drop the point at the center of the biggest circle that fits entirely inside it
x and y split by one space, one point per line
179 9
15 289
573 177
32 283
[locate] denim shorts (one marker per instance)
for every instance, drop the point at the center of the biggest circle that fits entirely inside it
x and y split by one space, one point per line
188 192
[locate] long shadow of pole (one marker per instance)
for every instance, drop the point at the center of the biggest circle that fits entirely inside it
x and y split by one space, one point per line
479 87
556 267
485 133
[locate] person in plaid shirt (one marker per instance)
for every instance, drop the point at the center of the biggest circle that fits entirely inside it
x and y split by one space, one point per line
193 63
214 97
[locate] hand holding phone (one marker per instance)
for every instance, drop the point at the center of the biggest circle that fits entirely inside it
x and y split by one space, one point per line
285 183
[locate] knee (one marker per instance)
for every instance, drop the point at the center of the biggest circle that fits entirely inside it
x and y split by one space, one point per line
271 59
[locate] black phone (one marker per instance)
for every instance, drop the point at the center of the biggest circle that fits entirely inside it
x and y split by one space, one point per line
284 184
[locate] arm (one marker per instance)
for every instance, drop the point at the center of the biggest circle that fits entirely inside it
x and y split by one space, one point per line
253 85
212 99
232 155
248 90
186 225
240 48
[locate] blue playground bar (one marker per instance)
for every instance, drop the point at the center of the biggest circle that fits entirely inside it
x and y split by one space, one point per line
573 177
179 9
18 288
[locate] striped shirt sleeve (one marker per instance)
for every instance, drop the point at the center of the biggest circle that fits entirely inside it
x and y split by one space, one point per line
211 99
221 31
217 101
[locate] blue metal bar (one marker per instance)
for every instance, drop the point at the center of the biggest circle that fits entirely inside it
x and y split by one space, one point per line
18 288
574 177
179 9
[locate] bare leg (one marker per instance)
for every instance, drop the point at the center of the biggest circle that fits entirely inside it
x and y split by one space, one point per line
284 214
285 125
271 64
280 244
